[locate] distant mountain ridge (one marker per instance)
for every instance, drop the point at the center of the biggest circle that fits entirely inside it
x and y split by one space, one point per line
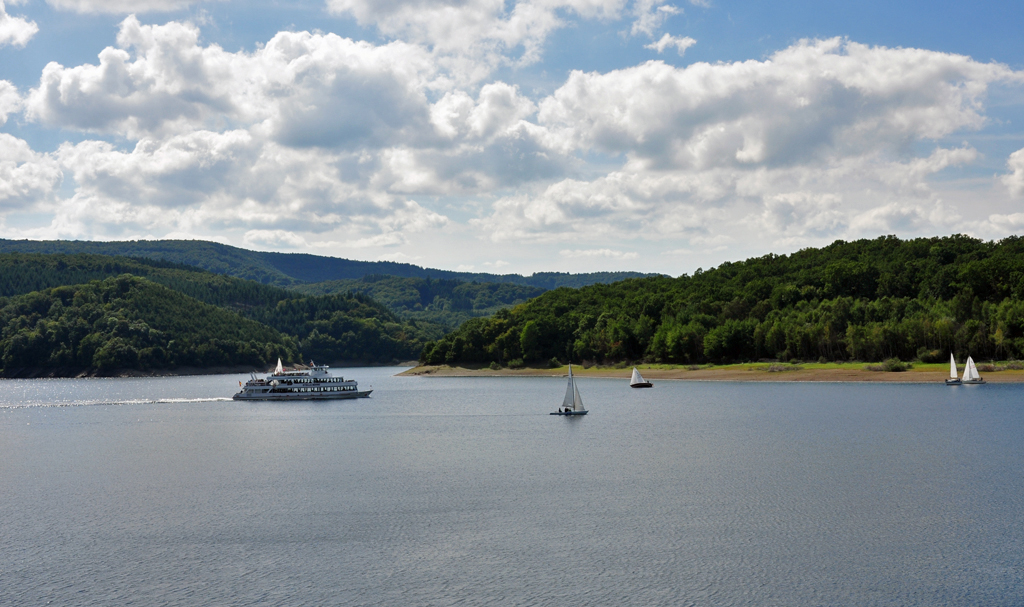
290 269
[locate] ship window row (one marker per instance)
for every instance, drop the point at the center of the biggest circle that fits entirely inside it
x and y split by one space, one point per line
315 380
324 389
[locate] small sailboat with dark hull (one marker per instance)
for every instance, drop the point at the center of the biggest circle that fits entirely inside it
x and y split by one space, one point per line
954 379
638 381
572 404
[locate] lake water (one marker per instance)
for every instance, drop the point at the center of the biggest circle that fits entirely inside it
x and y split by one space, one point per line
465 491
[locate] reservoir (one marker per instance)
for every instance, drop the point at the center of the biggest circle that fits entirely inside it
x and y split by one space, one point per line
465 491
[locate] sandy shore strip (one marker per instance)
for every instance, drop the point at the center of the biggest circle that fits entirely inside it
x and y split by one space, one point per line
810 372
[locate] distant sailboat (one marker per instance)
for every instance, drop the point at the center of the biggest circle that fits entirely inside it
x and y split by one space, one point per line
572 404
638 381
971 375
953 379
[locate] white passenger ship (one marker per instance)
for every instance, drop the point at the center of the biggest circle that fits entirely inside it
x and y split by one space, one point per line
311 383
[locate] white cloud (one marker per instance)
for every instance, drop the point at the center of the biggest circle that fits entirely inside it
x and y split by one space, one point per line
10 100
120 6
905 218
1015 180
306 89
812 144
15 31
804 213
498 107
666 41
314 141
651 15
486 29
26 177
603 253
821 98
274 239
1007 224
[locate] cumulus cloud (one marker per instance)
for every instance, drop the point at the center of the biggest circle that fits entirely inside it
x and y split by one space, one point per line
120 6
274 239
486 29
831 97
15 31
905 218
602 253
1015 180
666 41
317 141
10 100
26 177
307 89
651 15
803 213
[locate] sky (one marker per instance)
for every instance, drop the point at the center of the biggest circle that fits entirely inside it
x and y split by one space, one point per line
512 136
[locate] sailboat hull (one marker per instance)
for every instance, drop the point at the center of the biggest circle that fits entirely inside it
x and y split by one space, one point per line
973 381
568 413
643 384
953 382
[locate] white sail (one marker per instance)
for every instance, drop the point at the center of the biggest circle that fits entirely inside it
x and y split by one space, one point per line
280 367
577 402
952 366
637 378
567 402
971 372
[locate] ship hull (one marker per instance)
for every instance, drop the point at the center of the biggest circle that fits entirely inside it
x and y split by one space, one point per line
304 396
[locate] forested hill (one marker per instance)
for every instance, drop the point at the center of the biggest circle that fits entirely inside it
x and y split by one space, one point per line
327 328
446 302
865 300
127 323
287 269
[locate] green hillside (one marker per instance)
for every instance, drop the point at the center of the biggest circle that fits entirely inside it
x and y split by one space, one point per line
865 300
23 273
288 269
333 328
446 302
128 323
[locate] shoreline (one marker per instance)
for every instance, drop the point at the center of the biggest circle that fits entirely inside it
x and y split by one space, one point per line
750 372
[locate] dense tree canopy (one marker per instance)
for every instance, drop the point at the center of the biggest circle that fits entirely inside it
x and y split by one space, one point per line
446 302
863 300
128 323
331 328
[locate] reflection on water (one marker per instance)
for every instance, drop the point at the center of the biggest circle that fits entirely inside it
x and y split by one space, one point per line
443 491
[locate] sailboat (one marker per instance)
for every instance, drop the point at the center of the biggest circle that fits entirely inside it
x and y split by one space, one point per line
971 375
953 380
572 404
637 381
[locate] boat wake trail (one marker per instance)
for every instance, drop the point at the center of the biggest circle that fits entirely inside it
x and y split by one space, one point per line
109 402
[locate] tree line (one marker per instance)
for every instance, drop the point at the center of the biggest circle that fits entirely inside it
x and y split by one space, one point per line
865 300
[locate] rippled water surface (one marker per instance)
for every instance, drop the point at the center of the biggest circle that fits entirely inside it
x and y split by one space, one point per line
465 491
